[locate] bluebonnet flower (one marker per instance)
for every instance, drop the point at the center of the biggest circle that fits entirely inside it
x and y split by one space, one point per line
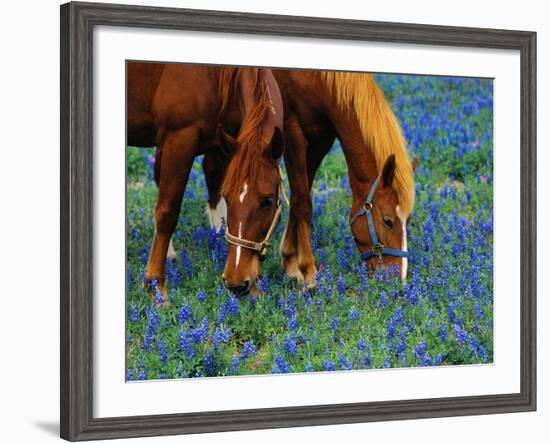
282 366
443 333
185 313
221 335
341 285
129 276
163 352
290 345
232 306
334 323
201 296
461 336
289 310
209 364
186 343
264 285
483 353
133 313
292 324
309 367
367 360
420 350
452 314
173 274
328 365
235 364
478 311
200 332
426 360
382 299
343 363
402 344
142 375
249 349
390 329
186 263
354 314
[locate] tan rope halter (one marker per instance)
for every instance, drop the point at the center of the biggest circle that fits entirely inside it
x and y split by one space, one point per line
262 246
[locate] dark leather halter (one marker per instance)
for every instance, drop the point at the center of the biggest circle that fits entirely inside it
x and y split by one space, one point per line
261 247
378 249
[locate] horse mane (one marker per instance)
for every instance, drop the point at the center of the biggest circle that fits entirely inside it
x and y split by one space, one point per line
379 127
251 143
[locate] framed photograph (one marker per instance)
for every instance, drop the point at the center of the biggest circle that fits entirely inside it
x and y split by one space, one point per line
274 221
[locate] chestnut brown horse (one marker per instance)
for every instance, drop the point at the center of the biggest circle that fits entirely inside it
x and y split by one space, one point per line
319 107
181 110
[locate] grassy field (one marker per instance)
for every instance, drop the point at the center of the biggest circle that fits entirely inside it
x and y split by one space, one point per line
443 315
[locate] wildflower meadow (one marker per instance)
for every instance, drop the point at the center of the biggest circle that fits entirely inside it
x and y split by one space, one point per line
441 315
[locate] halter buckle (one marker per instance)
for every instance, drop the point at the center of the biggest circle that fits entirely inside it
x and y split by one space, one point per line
378 249
262 251
367 206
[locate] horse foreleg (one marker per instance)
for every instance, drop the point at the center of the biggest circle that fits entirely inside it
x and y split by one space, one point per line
296 252
214 166
178 152
158 158
289 249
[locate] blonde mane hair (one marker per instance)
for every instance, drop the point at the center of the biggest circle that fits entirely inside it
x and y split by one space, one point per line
379 127
246 162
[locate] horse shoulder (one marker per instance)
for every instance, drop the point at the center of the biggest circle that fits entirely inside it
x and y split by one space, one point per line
186 96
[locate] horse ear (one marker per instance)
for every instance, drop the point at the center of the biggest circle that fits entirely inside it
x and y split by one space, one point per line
277 144
388 172
227 143
414 164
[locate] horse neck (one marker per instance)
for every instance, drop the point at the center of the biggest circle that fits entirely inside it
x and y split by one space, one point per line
359 157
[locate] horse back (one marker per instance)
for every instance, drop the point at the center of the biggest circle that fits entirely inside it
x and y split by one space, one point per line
187 95
141 82
167 97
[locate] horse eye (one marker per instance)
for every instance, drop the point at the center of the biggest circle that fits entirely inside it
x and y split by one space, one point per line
388 222
266 202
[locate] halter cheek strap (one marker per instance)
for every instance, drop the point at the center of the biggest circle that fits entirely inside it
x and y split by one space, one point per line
261 247
378 249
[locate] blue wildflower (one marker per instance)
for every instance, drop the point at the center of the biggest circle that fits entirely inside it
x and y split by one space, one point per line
328 365
201 296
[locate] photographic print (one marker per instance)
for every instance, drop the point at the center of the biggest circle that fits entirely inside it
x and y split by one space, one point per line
290 221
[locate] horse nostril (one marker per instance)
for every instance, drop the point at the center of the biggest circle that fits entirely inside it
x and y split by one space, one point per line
240 289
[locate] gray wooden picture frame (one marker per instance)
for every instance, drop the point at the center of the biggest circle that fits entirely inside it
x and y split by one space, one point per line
77 23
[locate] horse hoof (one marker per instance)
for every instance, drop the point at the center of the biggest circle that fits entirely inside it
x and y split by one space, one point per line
292 269
308 278
165 304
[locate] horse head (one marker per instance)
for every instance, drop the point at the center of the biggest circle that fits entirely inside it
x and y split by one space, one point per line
380 227
253 210
252 185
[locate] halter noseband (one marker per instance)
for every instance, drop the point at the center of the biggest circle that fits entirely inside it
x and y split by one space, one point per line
262 246
378 249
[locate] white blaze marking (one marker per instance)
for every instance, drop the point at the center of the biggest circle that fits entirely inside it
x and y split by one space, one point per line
238 258
404 260
218 215
244 192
